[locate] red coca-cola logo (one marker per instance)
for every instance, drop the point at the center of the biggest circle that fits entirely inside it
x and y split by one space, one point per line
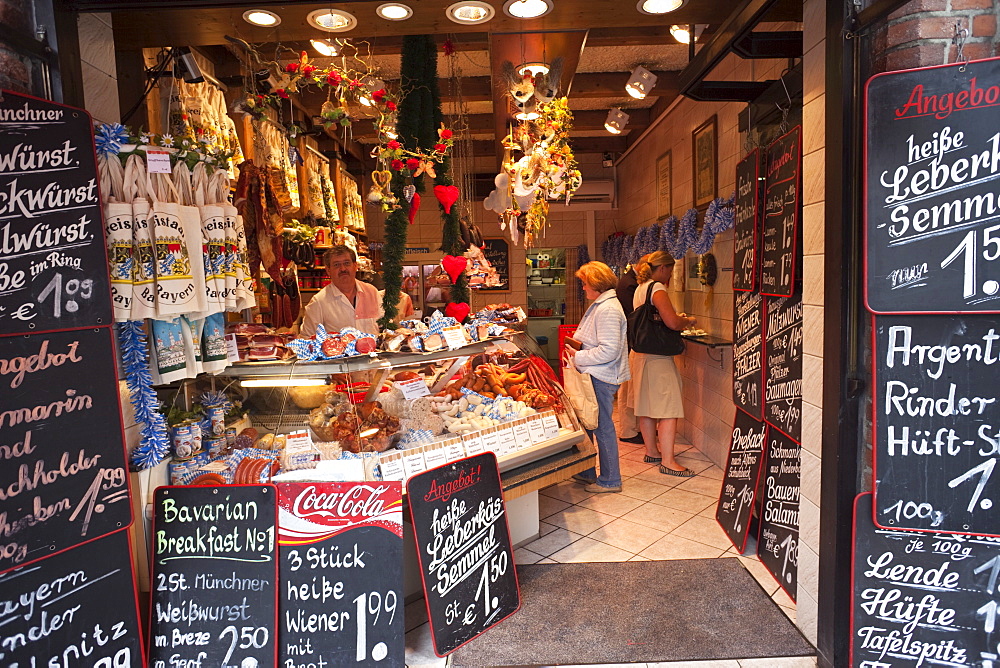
356 504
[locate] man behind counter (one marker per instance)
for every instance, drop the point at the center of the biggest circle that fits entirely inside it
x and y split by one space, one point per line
346 302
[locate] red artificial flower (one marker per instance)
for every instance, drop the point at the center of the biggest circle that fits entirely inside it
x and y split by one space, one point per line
446 134
448 47
393 145
333 78
355 83
282 93
440 148
292 67
379 95
390 105
412 163
184 117
308 69
397 165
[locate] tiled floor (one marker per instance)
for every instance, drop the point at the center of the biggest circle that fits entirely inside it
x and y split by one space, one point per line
655 517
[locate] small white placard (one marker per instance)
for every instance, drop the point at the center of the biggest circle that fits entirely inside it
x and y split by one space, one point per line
434 457
522 438
551 424
536 429
298 441
491 440
413 463
392 467
508 442
158 162
473 444
454 337
454 450
413 388
232 350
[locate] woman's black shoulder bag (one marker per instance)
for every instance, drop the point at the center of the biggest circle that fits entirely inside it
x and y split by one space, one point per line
647 333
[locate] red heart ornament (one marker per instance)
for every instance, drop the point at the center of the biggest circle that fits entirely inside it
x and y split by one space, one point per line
414 206
457 310
447 195
454 265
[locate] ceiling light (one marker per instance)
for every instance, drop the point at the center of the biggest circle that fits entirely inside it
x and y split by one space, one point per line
526 115
390 133
368 86
616 121
659 6
282 382
326 47
394 11
533 68
640 82
470 12
261 17
527 9
683 35
332 20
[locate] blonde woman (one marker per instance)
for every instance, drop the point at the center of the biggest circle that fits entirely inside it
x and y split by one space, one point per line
656 385
599 348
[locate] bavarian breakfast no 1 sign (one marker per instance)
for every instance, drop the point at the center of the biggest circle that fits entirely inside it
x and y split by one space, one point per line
932 211
463 544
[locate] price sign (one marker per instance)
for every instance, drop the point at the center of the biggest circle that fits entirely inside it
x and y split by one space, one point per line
64 473
392 466
742 480
54 271
936 423
781 215
491 440
522 437
508 439
926 599
748 353
454 337
413 462
932 155
745 228
79 603
473 444
551 423
214 576
778 542
536 429
341 565
435 456
464 548
454 449
783 370
413 388
158 162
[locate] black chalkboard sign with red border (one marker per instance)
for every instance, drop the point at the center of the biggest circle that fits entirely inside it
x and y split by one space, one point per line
76 608
63 468
741 482
932 211
778 541
463 544
782 203
53 259
341 565
214 576
748 353
747 223
783 344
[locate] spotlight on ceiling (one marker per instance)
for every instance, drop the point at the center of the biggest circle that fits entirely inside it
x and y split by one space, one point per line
616 121
659 6
683 33
533 68
470 12
526 115
640 82
326 47
527 9
394 11
332 20
261 17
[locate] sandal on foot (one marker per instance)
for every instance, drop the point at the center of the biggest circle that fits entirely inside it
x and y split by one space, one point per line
652 460
686 473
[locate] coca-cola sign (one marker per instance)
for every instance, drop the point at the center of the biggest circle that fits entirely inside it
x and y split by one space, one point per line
310 512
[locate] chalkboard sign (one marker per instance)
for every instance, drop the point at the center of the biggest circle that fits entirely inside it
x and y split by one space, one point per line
80 603
936 423
922 598
739 486
783 364
341 565
464 549
748 353
53 261
497 251
746 223
779 261
932 156
778 542
63 472
214 577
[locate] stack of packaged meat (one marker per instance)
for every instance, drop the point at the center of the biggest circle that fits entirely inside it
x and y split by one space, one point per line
256 342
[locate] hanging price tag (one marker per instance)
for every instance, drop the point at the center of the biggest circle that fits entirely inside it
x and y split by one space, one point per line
232 351
413 388
158 162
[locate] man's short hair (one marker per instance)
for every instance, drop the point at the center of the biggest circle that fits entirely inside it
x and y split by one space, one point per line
340 249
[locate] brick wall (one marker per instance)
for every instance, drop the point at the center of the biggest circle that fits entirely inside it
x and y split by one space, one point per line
921 33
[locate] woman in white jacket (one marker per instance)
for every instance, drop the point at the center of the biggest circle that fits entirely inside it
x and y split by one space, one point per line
599 348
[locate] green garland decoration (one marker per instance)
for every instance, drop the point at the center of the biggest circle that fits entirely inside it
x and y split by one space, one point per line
396 224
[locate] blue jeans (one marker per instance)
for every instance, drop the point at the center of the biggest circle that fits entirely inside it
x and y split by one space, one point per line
605 436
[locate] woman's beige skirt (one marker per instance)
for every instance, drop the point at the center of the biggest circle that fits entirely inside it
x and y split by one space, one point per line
656 386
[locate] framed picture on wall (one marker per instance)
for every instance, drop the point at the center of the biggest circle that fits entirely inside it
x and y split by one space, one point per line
663 173
704 149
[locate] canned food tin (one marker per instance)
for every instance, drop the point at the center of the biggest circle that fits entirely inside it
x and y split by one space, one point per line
231 437
217 415
195 437
183 446
215 446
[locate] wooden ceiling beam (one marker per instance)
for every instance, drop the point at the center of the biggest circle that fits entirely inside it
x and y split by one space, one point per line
483 123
